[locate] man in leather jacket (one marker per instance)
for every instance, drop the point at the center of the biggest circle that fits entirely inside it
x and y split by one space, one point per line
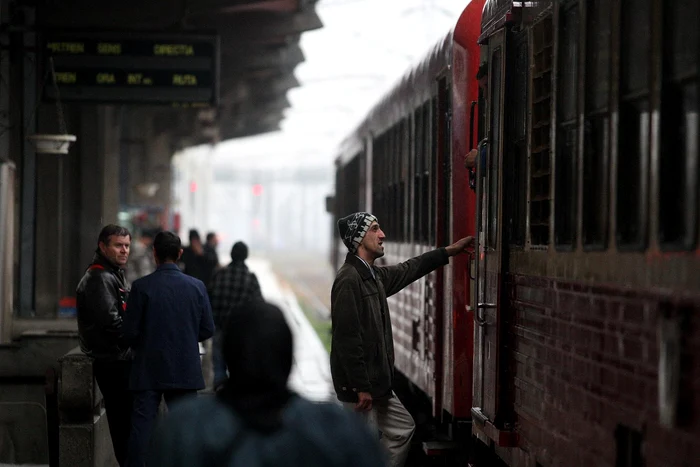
362 348
101 301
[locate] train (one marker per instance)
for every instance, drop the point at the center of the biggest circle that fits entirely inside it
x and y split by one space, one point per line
572 335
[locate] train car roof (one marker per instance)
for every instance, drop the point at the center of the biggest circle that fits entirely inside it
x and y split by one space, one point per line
413 89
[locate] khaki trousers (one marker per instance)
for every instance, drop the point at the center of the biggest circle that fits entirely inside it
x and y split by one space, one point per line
395 427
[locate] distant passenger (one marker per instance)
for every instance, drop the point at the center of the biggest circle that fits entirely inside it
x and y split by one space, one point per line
192 259
254 420
211 256
362 346
141 260
167 315
101 299
230 287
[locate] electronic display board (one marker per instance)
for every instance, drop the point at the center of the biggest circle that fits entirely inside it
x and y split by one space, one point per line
133 68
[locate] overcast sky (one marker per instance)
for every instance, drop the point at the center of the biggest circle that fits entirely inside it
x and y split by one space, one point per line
362 50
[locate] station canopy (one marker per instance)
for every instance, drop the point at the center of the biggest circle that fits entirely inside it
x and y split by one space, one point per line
233 60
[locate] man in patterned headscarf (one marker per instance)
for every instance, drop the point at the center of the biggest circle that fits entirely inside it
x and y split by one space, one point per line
362 349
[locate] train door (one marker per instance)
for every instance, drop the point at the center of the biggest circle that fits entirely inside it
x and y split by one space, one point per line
442 220
488 333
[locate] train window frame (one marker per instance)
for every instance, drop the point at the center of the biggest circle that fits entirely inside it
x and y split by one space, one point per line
680 80
496 82
515 154
391 170
427 171
539 215
597 114
434 112
567 128
380 177
404 178
416 175
633 127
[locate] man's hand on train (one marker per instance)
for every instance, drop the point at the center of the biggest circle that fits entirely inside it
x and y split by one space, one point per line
461 246
470 159
364 403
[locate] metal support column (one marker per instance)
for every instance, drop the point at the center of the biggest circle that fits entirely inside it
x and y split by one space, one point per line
26 125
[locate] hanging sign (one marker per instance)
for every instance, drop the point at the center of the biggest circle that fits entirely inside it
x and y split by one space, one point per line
136 68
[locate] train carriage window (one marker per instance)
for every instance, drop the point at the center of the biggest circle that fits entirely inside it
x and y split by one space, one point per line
417 171
375 173
433 170
404 194
596 124
680 126
349 189
426 195
396 227
379 178
565 182
494 146
540 143
515 154
633 133
390 168
396 167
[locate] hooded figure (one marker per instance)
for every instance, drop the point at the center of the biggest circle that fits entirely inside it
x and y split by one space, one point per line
255 420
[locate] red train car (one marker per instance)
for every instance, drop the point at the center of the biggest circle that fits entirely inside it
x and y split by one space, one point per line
588 285
405 164
578 341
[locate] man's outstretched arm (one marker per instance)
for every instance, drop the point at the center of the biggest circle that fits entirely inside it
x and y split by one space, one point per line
400 275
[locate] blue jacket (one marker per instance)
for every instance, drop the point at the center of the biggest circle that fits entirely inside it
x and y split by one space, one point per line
167 315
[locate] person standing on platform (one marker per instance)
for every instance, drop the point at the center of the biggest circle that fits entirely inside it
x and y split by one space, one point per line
141 261
101 297
230 287
362 345
254 420
167 315
211 255
192 258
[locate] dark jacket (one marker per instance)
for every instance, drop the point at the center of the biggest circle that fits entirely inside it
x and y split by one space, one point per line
211 263
204 431
362 348
202 266
230 287
101 298
167 315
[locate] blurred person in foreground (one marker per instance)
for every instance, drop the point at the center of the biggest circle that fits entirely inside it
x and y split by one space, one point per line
167 315
362 345
101 299
230 288
141 260
254 420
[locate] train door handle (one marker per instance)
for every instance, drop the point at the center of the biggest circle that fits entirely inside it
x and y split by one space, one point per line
479 315
470 261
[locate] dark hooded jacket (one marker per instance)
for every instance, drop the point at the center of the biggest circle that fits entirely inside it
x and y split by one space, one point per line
254 421
101 300
362 347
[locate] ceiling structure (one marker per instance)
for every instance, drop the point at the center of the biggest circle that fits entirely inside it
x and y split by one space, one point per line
259 50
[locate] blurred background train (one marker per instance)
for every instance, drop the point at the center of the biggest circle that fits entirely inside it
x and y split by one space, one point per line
572 336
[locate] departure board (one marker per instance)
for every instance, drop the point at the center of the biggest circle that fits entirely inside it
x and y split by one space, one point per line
180 70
